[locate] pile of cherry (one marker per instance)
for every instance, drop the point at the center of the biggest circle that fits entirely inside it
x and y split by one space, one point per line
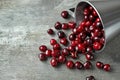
85 38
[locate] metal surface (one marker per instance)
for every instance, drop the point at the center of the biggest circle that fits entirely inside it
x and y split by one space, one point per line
108 12
23 25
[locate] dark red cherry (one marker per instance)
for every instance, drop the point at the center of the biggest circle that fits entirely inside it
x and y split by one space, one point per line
86 11
48 53
42 56
71 48
88 23
97 46
74 55
43 48
65 52
54 62
78 65
99 65
55 53
72 37
70 64
72 25
81 47
61 34
65 14
89 56
64 41
65 26
53 42
94 13
87 65
58 25
50 31
106 67
56 46
62 59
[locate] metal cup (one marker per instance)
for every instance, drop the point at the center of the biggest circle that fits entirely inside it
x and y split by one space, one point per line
108 12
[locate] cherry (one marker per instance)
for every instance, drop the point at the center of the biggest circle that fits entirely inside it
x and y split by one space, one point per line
86 18
42 56
62 59
89 49
97 20
82 35
54 62
65 14
97 32
73 43
97 46
106 67
48 53
74 55
50 31
88 42
89 56
55 53
70 64
61 34
58 25
81 47
63 41
72 25
86 11
102 40
87 65
94 13
71 48
72 37
56 46
90 78
78 65
92 27
88 23
99 24
99 65
65 26
43 48
65 52
91 18
53 42
75 31
90 8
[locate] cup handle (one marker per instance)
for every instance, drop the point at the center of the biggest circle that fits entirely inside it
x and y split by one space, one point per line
72 12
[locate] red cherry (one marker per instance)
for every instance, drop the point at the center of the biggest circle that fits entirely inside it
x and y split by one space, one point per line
97 46
86 11
78 65
88 42
42 56
91 18
63 41
72 37
80 29
62 59
86 18
71 48
74 55
72 25
65 26
89 56
75 31
65 52
99 65
97 20
106 67
73 43
81 47
90 78
48 53
65 14
58 25
55 53
97 32
88 23
102 40
54 62
61 34
56 46
70 64
82 35
43 48
90 8
94 13
92 27
53 42
87 65
50 31
89 49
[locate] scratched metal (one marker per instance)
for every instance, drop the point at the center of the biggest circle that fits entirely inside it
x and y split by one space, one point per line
23 25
